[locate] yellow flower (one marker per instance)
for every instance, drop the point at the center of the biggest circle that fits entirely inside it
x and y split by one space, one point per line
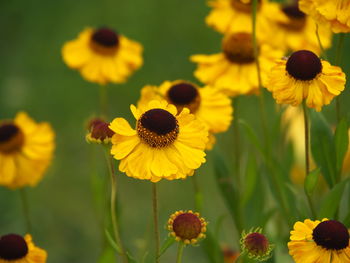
103 56
296 30
319 242
304 76
207 104
26 150
163 145
232 16
333 13
16 249
187 227
234 70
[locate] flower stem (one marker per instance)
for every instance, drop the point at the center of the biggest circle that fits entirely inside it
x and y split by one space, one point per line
155 219
25 209
113 206
197 194
307 156
103 101
338 63
180 252
323 51
237 148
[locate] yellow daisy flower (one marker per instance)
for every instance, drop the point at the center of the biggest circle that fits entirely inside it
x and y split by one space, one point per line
319 242
333 13
207 104
103 56
304 76
164 144
233 71
16 249
26 150
232 16
187 227
296 30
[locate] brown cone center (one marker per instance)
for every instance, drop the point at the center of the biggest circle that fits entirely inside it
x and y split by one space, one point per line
331 234
184 94
239 48
187 226
11 138
304 65
104 41
13 247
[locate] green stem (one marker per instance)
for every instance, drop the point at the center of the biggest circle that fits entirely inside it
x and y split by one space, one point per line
180 252
307 156
338 63
113 205
197 194
103 101
155 219
323 51
25 209
237 148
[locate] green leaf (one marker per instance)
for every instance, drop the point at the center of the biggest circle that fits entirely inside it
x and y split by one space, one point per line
332 200
311 181
228 192
166 244
131 259
323 148
253 138
341 139
111 241
212 248
250 181
107 256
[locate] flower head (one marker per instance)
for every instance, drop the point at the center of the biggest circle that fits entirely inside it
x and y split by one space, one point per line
207 104
295 30
256 245
234 71
102 55
332 13
99 132
164 144
14 248
26 150
187 227
313 240
305 76
232 16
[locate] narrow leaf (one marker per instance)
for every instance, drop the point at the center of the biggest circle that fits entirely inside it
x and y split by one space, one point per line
112 242
341 139
332 200
253 138
322 146
166 244
311 181
250 181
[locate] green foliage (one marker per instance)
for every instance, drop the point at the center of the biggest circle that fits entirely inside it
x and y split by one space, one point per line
341 139
331 201
311 180
323 147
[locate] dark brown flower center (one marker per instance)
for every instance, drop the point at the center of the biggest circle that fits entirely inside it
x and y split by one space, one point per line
256 243
100 130
104 41
297 19
243 5
331 234
11 138
238 48
304 65
13 247
158 128
187 226
184 94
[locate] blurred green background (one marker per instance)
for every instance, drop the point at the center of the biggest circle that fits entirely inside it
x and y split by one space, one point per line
34 78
